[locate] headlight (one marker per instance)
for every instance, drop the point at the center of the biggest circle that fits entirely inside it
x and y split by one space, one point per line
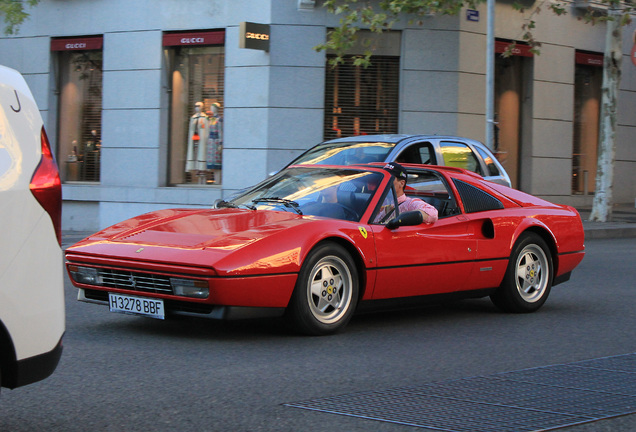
190 288
84 275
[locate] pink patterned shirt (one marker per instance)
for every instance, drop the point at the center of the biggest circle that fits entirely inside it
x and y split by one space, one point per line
409 204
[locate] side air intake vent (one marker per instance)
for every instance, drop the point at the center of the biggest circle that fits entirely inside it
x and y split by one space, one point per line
475 199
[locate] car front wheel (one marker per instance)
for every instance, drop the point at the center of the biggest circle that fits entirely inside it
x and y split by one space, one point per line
326 292
528 278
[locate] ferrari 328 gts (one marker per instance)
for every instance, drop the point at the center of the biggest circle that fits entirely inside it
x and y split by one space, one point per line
309 244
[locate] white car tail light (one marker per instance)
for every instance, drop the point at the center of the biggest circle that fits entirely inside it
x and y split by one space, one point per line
46 186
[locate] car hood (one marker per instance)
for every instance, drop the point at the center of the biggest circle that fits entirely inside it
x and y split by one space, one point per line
199 238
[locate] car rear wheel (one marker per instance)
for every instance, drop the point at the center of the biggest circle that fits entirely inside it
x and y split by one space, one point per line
528 278
326 292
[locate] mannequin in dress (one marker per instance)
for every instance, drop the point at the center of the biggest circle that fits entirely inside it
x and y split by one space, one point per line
197 132
215 142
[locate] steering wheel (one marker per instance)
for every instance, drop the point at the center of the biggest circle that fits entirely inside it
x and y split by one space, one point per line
332 210
349 212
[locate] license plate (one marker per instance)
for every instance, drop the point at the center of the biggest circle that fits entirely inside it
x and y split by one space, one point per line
136 305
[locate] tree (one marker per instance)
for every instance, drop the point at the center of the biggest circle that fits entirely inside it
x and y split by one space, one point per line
381 16
14 13
617 17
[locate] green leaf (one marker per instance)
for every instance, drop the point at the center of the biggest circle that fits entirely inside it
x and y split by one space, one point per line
14 14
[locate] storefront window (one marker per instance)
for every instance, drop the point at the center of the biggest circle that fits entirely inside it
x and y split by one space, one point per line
196 114
361 101
587 107
511 87
364 101
80 108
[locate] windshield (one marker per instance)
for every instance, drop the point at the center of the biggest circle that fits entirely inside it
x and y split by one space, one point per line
331 192
345 153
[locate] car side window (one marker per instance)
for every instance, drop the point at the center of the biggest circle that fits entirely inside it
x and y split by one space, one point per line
427 154
475 199
387 210
433 189
459 155
490 163
419 153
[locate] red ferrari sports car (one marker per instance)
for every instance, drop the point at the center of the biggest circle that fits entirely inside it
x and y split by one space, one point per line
309 243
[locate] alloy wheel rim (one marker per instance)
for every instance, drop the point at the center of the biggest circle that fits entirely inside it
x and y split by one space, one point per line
329 290
532 269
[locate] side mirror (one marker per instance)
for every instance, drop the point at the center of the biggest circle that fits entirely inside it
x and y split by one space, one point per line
410 218
219 203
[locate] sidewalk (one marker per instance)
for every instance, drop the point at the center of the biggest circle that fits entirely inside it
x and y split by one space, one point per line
623 225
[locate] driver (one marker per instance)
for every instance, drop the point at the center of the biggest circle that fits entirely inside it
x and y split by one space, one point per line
329 195
429 213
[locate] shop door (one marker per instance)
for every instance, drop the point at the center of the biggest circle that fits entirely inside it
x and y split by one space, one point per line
511 85
587 107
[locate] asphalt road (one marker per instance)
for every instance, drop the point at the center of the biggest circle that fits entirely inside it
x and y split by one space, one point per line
123 373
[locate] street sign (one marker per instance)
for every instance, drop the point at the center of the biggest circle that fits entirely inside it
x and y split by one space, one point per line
472 15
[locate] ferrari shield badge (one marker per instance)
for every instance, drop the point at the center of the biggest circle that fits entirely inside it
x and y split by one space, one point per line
363 231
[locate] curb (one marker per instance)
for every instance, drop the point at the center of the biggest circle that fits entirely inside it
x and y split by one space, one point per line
622 225
613 232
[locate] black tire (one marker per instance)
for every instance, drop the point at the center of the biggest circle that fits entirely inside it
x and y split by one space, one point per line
528 279
326 293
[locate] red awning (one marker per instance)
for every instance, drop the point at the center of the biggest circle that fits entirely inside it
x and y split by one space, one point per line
77 43
216 37
589 59
519 49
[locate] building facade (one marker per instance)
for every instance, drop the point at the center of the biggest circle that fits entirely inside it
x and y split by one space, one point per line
153 104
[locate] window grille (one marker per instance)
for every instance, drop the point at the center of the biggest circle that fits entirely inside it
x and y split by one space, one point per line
361 101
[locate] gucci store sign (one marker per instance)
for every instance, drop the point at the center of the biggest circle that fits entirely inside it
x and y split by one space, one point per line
77 43
212 37
254 36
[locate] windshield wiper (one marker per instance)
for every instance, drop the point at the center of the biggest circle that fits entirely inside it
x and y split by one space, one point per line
287 203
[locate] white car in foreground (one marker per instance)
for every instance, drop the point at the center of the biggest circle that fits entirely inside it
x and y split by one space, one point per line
32 319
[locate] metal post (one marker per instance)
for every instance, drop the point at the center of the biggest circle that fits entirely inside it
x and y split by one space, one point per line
490 76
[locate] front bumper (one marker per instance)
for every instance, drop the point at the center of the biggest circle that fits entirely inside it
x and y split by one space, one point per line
184 308
33 369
